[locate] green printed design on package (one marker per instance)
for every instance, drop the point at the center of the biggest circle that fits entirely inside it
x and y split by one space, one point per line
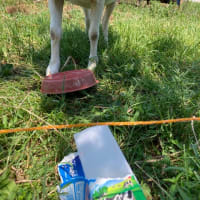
127 188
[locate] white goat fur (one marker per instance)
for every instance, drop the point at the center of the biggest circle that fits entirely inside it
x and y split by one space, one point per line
93 10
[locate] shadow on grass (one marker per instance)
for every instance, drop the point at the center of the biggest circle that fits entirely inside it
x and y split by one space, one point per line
122 68
74 43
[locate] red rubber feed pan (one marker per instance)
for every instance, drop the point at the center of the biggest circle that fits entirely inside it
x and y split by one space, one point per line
69 81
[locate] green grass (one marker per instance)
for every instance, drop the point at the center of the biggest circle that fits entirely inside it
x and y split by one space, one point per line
150 71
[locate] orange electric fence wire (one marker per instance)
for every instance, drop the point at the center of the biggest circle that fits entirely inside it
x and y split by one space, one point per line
100 123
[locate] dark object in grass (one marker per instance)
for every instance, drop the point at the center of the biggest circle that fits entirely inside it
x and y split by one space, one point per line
6 70
69 81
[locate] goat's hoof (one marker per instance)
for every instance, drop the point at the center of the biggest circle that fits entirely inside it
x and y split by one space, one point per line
92 63
92 67
52 69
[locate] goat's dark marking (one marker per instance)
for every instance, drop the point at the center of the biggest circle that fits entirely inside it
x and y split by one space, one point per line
53 35
94 36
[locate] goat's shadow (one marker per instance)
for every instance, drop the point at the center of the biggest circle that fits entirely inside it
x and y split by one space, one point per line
75 43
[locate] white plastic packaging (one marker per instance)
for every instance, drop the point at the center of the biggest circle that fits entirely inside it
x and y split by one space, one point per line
100 154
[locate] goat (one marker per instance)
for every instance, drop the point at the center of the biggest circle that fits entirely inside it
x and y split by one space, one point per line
93 10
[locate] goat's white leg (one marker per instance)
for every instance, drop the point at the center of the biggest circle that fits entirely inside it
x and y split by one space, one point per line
95 18
56 8
87 19
106 17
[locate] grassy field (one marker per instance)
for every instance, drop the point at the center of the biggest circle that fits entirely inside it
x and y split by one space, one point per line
150 71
